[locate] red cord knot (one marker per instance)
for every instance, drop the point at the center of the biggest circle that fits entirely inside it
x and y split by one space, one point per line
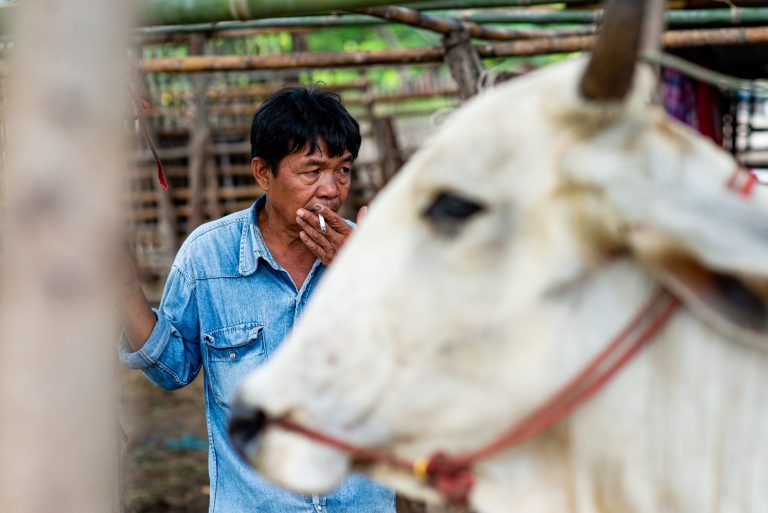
743 184
749 184
452 477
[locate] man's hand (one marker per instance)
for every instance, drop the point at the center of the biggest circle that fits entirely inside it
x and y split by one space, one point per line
324 246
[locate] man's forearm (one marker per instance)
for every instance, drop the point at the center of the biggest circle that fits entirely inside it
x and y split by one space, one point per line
137 316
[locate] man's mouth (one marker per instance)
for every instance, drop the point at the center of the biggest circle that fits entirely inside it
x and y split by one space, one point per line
333 206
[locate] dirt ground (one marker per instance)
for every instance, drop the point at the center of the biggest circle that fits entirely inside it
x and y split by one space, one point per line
166 461
165 466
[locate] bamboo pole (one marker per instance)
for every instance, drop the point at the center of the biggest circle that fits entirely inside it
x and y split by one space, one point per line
269 23
291 61
60 231
169 12
671 39
682 18
331 21
429 54
478 4
674 18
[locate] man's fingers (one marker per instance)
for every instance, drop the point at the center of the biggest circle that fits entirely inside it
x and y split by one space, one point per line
308 218
323 245
315 234
314 247
333 219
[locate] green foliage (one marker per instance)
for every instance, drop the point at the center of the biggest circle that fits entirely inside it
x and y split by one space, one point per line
331 39
369 38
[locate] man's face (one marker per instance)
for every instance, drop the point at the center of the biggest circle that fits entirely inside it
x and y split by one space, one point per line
306 179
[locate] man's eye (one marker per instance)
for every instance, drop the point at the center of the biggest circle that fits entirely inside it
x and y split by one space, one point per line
343 173
451 209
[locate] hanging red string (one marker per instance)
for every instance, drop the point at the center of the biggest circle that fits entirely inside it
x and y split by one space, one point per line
141 106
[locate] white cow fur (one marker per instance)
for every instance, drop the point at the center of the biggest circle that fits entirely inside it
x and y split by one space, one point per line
418 340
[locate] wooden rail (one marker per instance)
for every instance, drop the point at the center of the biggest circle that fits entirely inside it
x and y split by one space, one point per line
405 56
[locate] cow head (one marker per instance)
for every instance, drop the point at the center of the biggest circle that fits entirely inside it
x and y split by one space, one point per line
453 310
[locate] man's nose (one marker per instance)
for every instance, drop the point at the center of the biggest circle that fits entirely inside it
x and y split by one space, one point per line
328 187
245 425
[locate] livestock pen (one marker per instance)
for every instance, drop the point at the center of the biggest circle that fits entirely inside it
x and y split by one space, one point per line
198 70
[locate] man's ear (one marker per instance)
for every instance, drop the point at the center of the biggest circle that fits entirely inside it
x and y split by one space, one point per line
262 172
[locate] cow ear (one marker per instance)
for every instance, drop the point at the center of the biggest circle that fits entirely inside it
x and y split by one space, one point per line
707 245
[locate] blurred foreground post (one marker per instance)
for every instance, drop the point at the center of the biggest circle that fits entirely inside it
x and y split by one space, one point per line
66 102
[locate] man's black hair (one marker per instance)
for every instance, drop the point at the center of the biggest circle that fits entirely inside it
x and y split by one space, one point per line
297 117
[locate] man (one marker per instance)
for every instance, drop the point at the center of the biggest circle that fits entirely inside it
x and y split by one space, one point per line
238 285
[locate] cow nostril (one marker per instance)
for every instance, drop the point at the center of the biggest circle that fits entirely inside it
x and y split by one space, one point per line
245 424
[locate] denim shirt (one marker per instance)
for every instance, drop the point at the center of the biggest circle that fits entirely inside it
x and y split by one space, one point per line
226 308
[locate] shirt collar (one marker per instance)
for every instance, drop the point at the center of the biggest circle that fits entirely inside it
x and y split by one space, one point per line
252 245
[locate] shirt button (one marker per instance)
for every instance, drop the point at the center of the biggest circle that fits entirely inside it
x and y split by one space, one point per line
232 355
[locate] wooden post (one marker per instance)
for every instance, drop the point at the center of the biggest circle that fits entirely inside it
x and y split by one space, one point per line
167 221
463 61
298 44
386 141
212 188
199 137
67 97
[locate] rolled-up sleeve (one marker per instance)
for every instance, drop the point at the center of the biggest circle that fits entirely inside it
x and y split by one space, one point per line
170 357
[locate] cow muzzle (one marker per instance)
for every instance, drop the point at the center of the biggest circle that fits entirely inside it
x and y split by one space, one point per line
245 425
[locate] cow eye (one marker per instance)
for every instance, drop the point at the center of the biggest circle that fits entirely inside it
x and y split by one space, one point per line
448 210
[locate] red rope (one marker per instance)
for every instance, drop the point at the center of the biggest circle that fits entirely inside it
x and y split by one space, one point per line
362 454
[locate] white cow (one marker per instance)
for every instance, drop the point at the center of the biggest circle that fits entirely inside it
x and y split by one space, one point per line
506 254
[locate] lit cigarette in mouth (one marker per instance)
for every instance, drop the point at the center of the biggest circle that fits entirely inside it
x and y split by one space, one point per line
323 227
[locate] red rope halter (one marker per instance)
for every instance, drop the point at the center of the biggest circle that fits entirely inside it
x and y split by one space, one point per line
452 475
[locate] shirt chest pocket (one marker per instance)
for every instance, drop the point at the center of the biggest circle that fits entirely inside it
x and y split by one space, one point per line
232 354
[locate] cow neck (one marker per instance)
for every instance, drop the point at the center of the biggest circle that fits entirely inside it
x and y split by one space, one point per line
452 475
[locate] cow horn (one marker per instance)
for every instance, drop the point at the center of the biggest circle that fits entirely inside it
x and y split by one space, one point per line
608 76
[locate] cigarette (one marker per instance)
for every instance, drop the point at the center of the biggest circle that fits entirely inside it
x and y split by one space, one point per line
322 224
